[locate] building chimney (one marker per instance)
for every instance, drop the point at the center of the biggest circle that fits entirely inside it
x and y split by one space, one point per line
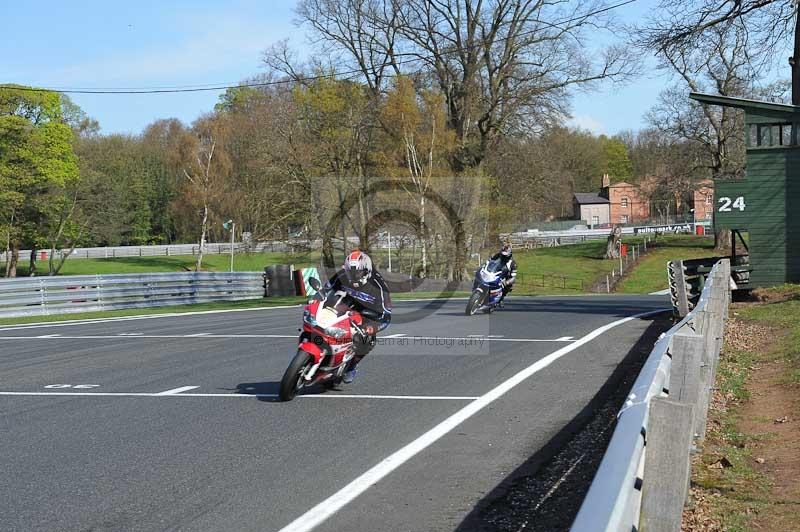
606 181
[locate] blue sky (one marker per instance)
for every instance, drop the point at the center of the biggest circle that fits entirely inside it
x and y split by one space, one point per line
150 44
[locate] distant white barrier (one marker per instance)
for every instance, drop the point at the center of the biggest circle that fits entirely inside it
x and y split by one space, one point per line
42 296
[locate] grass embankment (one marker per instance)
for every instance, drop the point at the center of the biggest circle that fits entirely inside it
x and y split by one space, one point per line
747 476
216 263
578 266
583 264
650 274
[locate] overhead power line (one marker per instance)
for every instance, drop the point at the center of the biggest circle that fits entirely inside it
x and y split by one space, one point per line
225 86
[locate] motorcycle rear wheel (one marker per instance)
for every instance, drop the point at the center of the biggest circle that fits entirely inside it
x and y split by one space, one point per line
473 303
292 381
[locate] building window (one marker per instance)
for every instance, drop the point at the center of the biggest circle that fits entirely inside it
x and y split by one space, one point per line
624 202
786 135
623 219
771 135
709 199
595 220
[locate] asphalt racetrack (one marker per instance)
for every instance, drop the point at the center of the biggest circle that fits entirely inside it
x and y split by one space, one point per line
173 423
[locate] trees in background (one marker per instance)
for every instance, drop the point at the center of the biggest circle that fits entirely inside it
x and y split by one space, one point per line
326 159
501 66
501 69
38 174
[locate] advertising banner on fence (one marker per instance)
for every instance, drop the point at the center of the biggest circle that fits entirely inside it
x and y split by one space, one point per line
671 228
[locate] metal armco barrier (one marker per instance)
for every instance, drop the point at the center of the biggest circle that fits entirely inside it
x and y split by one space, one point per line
41 296
643 479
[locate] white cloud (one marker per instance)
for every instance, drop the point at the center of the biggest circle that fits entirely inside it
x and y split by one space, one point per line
588 123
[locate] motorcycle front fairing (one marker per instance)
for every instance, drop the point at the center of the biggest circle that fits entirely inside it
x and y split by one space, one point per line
488 279
327 328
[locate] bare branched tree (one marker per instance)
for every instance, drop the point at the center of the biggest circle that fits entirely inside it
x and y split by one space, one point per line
771 26
719 62
204 165
502 65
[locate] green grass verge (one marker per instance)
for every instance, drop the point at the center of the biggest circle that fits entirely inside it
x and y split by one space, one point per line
214 263
576 266
783 313
650 274
583 264
741 491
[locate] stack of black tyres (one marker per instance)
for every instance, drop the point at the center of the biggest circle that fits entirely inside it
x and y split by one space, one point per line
280 279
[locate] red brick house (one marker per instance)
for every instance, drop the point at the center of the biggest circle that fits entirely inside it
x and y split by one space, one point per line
625 203
703 201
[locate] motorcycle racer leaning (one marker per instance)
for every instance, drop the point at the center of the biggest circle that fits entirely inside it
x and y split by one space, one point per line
371 298
509 269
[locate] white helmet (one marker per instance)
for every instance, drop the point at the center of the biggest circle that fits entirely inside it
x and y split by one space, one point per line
358 268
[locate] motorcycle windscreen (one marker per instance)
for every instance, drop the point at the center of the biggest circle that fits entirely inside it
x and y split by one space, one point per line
494 266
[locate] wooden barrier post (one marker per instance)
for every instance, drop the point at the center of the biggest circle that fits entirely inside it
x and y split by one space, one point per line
666 465
686 350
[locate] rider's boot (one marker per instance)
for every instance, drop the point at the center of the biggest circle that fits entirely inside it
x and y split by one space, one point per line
351 371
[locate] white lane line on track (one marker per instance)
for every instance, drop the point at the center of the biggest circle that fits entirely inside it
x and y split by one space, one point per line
90 321
564 339
251 395
322 511
176 391
136 336
660 292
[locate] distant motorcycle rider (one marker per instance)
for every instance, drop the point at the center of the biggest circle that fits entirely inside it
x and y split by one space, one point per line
505 255
371 299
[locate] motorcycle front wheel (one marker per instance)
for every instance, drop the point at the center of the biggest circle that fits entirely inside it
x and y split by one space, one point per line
292 381
473 303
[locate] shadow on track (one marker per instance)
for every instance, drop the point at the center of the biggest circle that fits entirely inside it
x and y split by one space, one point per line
268 391
618 306
545 493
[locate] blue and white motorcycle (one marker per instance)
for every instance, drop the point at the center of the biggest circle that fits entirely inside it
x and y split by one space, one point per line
487 288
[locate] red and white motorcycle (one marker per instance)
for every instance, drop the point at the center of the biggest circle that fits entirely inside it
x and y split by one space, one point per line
326 343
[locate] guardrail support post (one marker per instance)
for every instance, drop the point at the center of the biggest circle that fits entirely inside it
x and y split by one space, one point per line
666 465
687 365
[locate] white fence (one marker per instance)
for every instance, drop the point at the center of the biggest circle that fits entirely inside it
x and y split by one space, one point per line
536 238
643 480
41 296
163 251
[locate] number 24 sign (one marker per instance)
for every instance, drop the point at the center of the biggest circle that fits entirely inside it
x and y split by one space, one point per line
727 205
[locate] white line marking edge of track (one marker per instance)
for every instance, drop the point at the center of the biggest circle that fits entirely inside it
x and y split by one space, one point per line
85 321
209 336
176 393
88 321
325 509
